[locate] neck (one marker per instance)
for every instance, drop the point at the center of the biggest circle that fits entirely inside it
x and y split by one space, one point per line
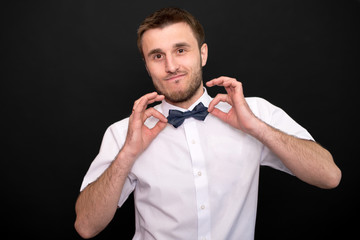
186 104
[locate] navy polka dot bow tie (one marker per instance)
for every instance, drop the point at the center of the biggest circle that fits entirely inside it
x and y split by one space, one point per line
176 118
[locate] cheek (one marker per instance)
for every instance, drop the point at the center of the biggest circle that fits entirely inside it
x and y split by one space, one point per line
156 75
194 66
154 70
195 61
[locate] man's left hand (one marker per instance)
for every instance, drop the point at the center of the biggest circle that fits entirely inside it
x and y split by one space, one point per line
240 115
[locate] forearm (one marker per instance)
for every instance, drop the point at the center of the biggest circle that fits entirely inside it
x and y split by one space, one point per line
97 203
306 159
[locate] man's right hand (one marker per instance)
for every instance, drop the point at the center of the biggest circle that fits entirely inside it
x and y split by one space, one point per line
140 136
97 203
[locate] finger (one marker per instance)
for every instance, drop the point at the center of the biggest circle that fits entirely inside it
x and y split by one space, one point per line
139 108
152 112
157 98
219 81
141 103
219 98
158 128
153 132
214 82
220 114
233 88
231 85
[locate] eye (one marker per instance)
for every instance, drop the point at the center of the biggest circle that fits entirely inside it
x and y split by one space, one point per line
157 56
181 50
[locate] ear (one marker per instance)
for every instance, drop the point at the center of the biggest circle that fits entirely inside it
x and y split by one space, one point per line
204 54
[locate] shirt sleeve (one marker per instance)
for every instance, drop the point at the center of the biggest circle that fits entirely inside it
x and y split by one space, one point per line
112 142
277 118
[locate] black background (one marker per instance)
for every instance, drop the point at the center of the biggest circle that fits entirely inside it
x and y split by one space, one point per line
71 68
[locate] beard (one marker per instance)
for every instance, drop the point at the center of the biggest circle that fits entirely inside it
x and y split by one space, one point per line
187 93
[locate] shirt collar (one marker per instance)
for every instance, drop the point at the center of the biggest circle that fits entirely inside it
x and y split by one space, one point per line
204 99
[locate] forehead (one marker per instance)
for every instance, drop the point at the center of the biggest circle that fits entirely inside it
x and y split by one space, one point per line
167 37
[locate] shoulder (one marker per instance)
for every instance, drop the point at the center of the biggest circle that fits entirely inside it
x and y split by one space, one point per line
262 108
259 104
120 126
117 132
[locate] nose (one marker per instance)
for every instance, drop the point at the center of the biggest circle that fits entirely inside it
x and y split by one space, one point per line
171 65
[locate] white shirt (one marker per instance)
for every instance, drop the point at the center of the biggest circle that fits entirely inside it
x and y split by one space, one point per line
197 181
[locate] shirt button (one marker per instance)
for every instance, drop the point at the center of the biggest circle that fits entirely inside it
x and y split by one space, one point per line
199 173
202 207
193 141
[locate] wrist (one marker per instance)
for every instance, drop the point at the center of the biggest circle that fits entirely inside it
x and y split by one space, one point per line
125 158
258 129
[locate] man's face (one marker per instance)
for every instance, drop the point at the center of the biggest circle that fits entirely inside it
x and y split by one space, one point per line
174 61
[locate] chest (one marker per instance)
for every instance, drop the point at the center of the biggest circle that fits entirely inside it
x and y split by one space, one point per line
177 157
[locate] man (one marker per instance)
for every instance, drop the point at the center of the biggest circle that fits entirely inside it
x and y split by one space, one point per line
197 179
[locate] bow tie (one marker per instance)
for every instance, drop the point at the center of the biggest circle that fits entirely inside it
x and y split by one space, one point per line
176 118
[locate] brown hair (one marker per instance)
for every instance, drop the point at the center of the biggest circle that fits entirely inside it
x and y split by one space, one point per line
167 16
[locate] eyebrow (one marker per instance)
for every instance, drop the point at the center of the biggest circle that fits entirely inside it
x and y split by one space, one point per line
155 51
176 45
181 44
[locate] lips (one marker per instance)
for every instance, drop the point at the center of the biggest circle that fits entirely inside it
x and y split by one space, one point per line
175 77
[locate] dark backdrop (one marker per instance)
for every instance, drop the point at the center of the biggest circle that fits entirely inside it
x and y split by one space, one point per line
71 68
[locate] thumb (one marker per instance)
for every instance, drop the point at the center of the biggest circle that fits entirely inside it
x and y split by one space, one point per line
220 114
154 132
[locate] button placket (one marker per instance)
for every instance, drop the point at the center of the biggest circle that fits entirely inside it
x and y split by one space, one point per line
200 178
